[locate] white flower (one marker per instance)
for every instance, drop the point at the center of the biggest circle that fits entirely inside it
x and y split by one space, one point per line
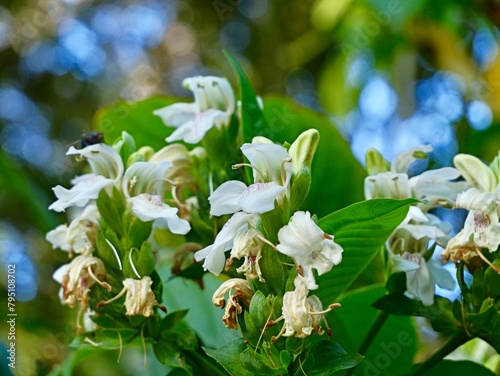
233 196
272 172
103 159
422 276
481 230
107 168
140 299
80 194
311 248
268 161
148 207
144 177
481 227
214 104
79 236
388 185
302 314
78 276
248 244
239 291
214 254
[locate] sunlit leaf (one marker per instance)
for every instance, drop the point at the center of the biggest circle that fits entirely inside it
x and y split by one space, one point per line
361 229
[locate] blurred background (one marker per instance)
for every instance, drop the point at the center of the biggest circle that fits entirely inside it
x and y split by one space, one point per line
389 74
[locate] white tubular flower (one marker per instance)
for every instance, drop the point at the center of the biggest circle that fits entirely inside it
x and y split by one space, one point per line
79 236
214 254
81 193
268 161
302 314
77 277
103 159
181 160
140 299
148 207
437 187
311 248
233 196
239 291
422 276
388 185
107 168
249 245
213 105
481 227
144 177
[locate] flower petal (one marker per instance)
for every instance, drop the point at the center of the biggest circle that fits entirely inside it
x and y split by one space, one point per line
176 114
224 200
476 172
260 197
195 129
147 208
80 194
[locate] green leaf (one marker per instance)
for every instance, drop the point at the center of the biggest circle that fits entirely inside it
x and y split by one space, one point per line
458 368
172 319
392 350
361 229
136 119
486 325
326 357
173 340
229 357
253 121
336 176
440 314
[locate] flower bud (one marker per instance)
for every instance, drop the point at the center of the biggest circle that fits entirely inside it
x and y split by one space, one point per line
303 149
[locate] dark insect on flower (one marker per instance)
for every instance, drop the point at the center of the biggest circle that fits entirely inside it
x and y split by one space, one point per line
92 138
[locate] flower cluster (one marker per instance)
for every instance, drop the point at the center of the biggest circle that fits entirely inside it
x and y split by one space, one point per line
482 228
408 246
111 202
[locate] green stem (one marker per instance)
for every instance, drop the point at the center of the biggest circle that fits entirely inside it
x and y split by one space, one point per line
455 341
367 341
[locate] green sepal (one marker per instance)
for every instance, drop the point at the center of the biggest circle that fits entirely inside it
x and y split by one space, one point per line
125 145
301 183
256 363
143 260
144 154
105 245
272 270
110 211
258 316
139 232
